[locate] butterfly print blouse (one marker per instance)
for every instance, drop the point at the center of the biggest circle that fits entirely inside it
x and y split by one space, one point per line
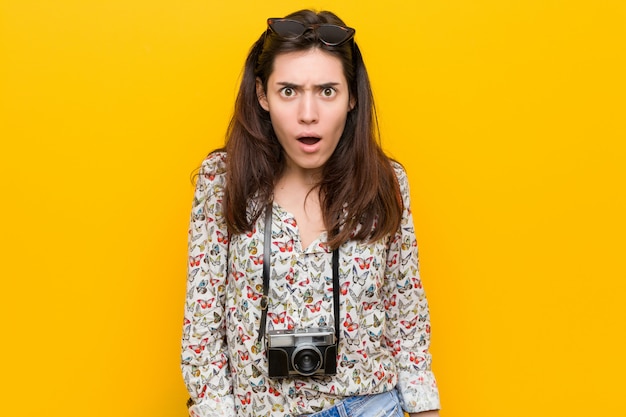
384 318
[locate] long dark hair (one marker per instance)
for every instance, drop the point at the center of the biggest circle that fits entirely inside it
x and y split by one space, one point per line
359 194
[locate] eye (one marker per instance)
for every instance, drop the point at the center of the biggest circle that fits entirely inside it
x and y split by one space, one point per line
287 92
328 92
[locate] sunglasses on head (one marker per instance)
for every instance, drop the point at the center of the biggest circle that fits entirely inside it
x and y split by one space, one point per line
330 35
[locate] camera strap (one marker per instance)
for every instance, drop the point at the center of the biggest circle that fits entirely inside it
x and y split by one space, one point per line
267 246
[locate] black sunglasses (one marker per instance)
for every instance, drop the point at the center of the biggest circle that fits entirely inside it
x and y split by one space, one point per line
331 35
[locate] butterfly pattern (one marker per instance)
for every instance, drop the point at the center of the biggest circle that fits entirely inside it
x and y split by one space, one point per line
384 317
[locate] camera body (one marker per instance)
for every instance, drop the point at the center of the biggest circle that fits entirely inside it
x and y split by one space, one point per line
302 352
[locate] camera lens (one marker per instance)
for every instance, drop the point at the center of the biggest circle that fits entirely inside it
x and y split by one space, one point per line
307 360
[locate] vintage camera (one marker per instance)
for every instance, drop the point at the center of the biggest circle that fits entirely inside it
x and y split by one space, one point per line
301 352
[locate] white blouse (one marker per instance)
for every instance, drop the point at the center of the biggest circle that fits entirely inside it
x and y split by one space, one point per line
384 318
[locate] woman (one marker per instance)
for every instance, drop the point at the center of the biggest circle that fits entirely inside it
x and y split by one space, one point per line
304 296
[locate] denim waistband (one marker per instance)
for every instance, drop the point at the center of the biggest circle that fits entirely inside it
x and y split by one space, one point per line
386 404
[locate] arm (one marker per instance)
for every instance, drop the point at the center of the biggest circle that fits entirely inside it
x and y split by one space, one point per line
434 413
408 332
205 365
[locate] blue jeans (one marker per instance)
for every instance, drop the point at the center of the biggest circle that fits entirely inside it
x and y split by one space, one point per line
386 404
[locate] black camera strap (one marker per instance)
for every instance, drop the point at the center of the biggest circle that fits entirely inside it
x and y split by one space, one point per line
267 246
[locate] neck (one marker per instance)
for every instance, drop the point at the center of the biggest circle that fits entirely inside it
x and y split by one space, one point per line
301 177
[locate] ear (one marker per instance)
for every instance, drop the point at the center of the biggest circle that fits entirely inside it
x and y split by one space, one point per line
351 103
260 93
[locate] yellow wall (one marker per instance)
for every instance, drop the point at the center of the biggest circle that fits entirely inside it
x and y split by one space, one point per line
509 116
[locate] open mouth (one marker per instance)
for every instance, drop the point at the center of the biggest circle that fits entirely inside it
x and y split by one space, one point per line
309 140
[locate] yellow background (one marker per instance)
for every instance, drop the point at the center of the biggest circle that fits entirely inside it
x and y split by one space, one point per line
508 115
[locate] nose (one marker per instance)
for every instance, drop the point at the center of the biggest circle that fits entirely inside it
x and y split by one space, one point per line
308 111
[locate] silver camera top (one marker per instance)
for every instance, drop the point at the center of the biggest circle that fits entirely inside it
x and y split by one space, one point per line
288 338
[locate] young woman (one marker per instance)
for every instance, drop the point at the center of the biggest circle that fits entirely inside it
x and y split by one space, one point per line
304 296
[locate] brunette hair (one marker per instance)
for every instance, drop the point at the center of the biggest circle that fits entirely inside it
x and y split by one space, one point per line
359 193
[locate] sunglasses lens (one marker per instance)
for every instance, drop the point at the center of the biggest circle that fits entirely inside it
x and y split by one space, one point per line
289 29
333 35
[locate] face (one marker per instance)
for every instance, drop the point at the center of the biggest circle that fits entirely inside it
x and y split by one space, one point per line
308 100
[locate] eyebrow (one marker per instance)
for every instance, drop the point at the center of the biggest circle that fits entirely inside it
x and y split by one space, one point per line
294 85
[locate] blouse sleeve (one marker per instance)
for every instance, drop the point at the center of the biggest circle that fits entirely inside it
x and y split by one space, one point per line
408 335
205 364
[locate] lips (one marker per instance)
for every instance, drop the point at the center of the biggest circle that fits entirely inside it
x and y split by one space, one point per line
309 140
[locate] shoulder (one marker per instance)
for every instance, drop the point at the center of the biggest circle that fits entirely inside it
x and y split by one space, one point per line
211 176
401 175
213 168
403 181
214 163
398 169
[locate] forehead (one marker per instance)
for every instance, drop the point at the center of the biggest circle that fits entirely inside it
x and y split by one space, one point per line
313 65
